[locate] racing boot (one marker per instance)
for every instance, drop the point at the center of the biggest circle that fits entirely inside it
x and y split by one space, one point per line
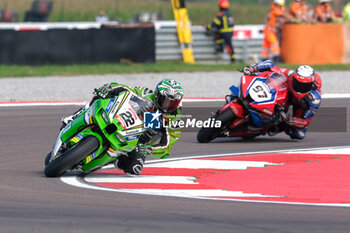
297 135
133 163
122 162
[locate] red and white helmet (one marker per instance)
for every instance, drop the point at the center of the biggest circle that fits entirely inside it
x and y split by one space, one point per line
302 80
224 4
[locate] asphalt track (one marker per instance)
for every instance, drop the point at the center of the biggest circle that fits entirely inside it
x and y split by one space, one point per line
30 202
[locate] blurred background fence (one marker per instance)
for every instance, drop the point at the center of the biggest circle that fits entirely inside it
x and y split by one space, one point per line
70 43
247 43
56 43
163 40
200 11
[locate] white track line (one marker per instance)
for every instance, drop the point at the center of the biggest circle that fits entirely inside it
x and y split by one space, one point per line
79 182
210 164
141 179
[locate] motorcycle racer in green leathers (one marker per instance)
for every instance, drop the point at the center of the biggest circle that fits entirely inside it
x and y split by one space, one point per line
167 101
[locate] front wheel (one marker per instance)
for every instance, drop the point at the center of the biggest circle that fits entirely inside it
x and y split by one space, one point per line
47 158
71 157
207 134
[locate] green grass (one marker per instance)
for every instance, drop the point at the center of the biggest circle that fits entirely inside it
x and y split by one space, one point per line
159 67
201 12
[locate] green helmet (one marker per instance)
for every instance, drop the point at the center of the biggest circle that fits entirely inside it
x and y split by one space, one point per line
168 95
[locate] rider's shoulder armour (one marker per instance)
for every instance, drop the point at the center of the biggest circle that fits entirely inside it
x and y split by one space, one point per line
314 98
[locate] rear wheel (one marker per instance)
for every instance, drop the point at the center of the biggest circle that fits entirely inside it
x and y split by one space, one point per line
71 157
207 134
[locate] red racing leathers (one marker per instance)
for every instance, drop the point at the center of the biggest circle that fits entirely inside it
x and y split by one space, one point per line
305 105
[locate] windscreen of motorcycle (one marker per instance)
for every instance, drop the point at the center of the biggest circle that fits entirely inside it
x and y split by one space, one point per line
129 111
263 93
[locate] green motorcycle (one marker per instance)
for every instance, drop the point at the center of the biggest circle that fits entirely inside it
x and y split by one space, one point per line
98 136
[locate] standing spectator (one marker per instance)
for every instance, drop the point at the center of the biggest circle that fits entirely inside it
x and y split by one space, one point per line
102 17
276 16
300 11
346 12
323 12
222 27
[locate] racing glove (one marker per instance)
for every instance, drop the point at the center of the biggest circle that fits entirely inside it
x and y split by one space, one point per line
103 91
250 70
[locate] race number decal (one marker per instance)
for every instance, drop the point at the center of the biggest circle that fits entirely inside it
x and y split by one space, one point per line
128 118
260 92
126 111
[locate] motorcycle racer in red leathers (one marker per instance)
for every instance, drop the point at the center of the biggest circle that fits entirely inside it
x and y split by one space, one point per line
304 88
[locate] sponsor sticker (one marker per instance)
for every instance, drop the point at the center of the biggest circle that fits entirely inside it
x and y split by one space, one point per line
132 138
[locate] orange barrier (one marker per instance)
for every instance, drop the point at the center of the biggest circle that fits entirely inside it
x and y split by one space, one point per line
346 36
314 43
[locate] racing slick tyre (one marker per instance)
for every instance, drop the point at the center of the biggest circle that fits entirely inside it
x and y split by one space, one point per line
207 134
47 158
71 157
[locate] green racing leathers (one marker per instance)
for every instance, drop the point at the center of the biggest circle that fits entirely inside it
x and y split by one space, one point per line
162 140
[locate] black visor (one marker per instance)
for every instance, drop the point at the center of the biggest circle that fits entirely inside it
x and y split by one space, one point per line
301 87
167 104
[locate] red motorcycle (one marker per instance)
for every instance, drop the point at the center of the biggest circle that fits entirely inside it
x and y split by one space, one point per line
258 106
